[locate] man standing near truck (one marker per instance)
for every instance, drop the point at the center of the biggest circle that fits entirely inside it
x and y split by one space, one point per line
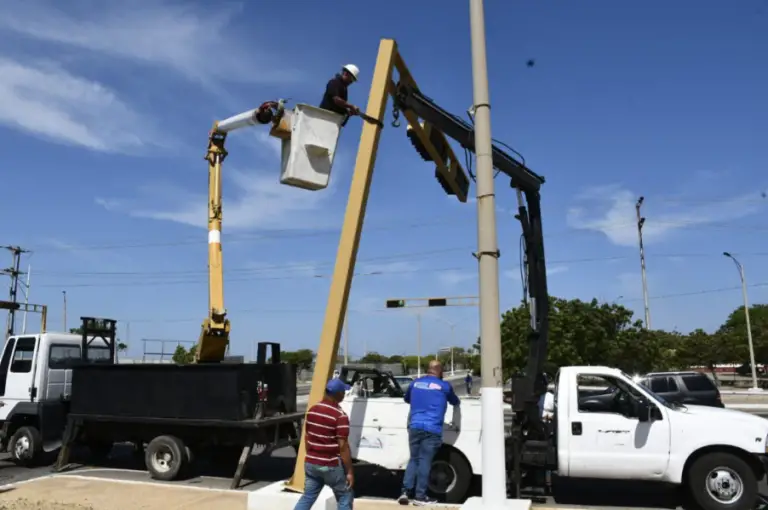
429 397
328 459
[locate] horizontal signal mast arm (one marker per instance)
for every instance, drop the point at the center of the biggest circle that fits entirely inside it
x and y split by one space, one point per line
409 98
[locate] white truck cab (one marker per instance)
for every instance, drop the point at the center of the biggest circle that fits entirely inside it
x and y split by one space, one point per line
605 426
35 385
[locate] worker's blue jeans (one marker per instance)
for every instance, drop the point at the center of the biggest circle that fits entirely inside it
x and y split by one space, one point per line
424 446
316 477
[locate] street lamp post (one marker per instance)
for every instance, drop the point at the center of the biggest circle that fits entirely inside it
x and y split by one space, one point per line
755 387
451 350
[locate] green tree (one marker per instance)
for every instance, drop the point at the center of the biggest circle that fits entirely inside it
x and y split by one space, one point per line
373 357
734 334
583 333
303 358
184 356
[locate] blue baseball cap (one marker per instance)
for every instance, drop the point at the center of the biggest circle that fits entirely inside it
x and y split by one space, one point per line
336 386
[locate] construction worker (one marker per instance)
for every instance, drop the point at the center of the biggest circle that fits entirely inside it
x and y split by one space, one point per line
429 397
335 97
328 461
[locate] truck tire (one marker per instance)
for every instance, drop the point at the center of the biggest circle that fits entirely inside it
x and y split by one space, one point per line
26 446
719 481
166 458
450 476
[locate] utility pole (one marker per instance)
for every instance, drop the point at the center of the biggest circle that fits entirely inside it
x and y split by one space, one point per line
640 223
755 387
64 293
492 399
14 272
418 345
346 338
26 301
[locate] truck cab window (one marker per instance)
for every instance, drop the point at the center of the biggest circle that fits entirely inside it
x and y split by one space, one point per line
22 356
6 363
605 394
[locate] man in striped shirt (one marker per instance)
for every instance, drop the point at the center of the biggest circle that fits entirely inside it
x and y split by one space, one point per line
328 459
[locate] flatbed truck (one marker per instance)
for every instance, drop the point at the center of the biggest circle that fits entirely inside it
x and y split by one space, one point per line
62 390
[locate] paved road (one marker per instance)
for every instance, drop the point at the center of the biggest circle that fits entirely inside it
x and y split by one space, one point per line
371 481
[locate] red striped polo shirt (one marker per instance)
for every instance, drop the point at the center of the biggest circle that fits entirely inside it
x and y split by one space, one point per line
326 423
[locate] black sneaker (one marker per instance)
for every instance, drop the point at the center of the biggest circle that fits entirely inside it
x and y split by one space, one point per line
403 499
424 502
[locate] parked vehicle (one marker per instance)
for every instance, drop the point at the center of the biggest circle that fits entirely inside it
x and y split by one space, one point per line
605 426
684 388
58 390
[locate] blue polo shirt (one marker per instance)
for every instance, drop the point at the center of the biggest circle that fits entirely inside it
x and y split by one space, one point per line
429 397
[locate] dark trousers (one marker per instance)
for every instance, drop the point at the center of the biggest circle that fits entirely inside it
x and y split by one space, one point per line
424 446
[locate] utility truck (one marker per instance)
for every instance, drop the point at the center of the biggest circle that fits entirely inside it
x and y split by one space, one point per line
605 426
62 390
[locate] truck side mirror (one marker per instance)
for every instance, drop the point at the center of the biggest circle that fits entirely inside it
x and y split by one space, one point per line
643 410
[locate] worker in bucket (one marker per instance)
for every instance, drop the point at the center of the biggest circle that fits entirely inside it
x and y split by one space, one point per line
328 458
335 97
429 397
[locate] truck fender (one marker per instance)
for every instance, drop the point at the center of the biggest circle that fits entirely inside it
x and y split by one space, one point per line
747 457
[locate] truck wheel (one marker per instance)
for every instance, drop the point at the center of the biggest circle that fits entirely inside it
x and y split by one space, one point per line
720 481
450 476
165 458
26 446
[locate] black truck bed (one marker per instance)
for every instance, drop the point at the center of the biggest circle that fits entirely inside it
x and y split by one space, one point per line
213 392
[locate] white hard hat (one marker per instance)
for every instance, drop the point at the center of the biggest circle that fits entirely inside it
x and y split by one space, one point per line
352 69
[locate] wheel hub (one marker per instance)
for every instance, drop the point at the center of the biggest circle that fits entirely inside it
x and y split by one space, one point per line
22 447
724 485
162 461
442 477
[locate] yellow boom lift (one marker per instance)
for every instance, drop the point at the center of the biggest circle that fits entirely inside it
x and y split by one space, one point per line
309 136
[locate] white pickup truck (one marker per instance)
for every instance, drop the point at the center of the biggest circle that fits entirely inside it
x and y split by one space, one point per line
605 426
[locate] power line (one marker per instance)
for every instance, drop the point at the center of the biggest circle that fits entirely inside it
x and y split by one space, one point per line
384 310
293 234
257 272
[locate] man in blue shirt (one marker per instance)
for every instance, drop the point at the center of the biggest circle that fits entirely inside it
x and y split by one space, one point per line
429 397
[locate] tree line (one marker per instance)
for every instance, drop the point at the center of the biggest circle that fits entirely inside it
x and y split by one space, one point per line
589 333
594 333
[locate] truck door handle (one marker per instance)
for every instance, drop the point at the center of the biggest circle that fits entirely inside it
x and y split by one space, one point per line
576 428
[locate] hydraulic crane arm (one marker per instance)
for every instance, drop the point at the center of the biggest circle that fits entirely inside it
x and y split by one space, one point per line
527 183
214 334
409 98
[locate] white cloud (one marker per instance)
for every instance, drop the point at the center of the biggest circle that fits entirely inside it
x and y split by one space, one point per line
258 201
198 44
46 101
455 277
253 199
611 210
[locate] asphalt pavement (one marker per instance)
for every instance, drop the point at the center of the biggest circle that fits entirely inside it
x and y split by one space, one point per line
370 481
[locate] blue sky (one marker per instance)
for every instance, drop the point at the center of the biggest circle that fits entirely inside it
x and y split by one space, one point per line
105 108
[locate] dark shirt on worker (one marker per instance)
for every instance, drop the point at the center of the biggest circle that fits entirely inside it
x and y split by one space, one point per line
429 397
335 88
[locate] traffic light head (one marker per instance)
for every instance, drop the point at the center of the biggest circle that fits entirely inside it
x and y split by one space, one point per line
437 302
395 303
9 305
432 145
